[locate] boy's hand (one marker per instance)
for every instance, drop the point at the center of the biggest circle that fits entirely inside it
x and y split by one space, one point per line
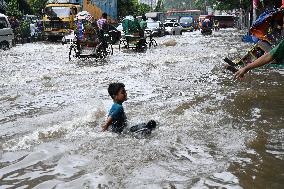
104 128
107 124
240 73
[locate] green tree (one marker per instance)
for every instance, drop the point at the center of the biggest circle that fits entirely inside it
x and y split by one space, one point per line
178 4
37 6
143 8
160 6
229 5
13 9
201 4
131 7
126 7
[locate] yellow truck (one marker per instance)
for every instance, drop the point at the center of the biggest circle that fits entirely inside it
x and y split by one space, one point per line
58 19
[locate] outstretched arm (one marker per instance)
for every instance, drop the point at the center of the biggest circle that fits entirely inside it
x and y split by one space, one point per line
107 124
264 59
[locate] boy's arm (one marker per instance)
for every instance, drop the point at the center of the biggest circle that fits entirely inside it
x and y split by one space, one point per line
264 59
107 124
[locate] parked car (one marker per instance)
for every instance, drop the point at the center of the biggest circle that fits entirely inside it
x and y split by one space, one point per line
157 28
173 28
6 33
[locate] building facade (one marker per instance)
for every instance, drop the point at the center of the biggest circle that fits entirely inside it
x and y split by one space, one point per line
97 7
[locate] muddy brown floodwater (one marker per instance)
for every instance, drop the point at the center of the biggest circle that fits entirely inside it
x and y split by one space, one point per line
213 132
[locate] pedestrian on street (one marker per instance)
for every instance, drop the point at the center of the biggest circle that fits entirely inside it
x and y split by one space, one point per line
277 53
143 23
33 31
143 26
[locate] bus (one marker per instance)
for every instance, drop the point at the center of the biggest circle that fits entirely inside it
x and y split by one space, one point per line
225 21
184 13
58 19
187 22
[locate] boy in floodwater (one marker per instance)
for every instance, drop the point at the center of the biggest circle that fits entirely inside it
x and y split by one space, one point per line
116 120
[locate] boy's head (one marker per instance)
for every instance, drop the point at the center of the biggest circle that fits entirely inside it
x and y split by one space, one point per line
104 15
114 89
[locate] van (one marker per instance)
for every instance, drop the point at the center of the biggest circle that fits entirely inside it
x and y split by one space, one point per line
6 33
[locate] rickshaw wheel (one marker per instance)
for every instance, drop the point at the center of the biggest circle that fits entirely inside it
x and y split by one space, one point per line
101 51
110 49
152 43
72 52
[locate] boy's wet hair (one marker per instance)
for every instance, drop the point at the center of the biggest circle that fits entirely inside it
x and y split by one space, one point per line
114 88
104 15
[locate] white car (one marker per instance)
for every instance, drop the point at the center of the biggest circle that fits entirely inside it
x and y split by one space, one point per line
69 39
6 33
173 28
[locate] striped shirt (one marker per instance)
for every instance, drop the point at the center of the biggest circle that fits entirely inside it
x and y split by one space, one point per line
101 22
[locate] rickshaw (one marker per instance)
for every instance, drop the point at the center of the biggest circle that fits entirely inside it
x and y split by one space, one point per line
265 29
89 44
134 37
256 51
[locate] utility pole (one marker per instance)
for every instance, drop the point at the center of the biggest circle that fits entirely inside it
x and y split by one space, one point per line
205 4
254 6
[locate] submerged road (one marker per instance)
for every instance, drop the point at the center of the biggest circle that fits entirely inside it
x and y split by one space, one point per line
213 132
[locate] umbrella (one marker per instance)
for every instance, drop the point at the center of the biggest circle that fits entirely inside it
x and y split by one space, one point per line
260 28
84 15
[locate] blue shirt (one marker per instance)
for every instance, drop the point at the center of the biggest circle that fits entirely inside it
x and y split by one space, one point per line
118 118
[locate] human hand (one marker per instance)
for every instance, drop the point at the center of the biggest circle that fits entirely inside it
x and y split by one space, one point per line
240 73
104 128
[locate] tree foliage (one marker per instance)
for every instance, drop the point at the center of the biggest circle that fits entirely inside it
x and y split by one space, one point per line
221 4
143 8
230 5
126 7
131 7
178 4
218 4
13 9
160 6
18 8
37 6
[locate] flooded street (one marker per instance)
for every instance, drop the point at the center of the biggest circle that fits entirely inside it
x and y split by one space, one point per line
213 132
